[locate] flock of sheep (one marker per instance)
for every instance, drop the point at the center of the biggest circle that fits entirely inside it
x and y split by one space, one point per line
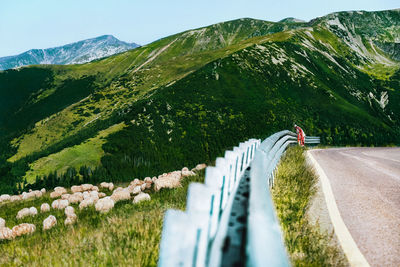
87 195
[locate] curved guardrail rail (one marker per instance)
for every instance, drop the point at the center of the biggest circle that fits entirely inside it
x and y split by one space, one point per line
198 236
187 237
312 140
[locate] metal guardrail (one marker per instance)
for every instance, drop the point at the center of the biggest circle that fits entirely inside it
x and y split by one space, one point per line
188 237
265 246
197 236
312 140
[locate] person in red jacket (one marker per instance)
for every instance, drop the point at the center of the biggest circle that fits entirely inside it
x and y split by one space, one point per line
301 136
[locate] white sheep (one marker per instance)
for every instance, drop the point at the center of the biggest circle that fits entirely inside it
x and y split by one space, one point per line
23 213
137 190
6 234
148 180
49 222
60 204
76 198
101 195
2 223
60 190
170 180
38 193
141 197
109 186
69 211
33 211
86 203
29 195
5 197
15 198
185 172
71 216
71 219
143 187
86 195
118 189
94 194
95 188
43 190
45 207
23 229
65 196
123 194
55 194
140 182
76 188
154 179
79 194
87 187
95 198
131 187
104 204
199 167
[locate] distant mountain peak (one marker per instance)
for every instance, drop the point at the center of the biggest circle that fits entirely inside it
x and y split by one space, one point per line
73 53
291 20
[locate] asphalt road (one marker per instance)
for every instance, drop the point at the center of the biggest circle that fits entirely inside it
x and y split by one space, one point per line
366 186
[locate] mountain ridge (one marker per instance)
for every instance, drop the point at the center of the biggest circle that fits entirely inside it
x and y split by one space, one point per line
73 53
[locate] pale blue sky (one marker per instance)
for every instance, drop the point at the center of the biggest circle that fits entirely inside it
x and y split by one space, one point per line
27 24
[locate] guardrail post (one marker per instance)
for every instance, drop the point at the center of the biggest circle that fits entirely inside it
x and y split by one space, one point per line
178 226
239 162
231 157
223 167
200 208
214 180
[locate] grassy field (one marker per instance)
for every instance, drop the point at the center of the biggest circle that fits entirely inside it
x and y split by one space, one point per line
381 71
128 235
292 193
88 154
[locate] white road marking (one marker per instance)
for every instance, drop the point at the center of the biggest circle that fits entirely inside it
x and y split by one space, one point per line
350 249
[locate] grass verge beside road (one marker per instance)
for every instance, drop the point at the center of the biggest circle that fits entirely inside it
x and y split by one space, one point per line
293 191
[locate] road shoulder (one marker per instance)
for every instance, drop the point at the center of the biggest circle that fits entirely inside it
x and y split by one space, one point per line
324 202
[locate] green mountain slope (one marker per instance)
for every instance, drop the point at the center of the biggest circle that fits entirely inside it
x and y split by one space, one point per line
126 77
29 95
187 97
254 92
